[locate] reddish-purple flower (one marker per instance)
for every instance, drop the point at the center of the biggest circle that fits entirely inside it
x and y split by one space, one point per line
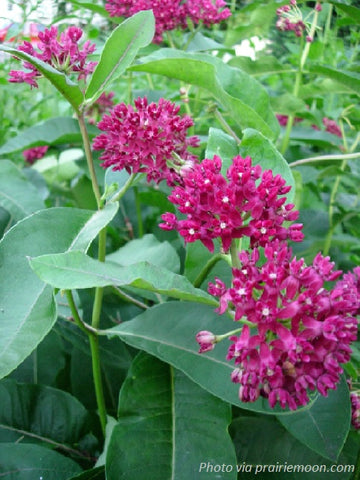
35 153
290 18
301 332
149 138
171 14
61 52
355 409
247 202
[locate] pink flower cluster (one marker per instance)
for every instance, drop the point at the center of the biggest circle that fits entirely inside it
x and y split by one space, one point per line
61 52
290 18
149 138
248 202
171 14
332 127
301 332
35 153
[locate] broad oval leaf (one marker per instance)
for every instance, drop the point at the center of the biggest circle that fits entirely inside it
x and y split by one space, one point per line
266 451
323 427
179 425
17 195
345 77
241 95
36 412
25 323
20 461
68 89
120 50
263 152
55 131
221 144
149 249
168 331
74 269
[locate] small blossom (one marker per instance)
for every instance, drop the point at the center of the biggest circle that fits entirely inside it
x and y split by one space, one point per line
247 202
290 18
206 340
146 139
35 153
332 127
60 51
355 409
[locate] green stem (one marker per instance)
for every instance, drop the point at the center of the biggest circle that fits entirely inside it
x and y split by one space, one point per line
89 158
226 126
96 368
234 255
207 269
128 298
290 123
346 156
138 213
124 189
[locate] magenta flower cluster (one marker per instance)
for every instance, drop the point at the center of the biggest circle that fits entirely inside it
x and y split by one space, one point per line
35 153
247 202
147 138
299 332
60 51
171 14
355 409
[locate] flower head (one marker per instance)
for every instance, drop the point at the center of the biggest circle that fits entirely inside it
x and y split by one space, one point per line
247 202
146 139
35 153
332 127
60 51
301 332
171 14
206 340
290 18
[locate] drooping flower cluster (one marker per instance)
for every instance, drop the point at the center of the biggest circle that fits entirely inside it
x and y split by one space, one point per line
301 332
35 153
332 127
171 14
290 18
149 138
61 52
248 202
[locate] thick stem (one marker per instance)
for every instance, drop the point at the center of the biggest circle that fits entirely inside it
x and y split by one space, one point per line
89 158
323 158
138 213
96 368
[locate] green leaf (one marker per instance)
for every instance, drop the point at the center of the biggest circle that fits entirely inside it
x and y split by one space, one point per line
266 450
97 473
349 79
323 427
149 249
120 50
92 227
262 66
241 95
27 306
74 269
90 6
350 11
263 152
68 89
168 332
179 425
44 414
55 131
223 145
17 195
28 462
